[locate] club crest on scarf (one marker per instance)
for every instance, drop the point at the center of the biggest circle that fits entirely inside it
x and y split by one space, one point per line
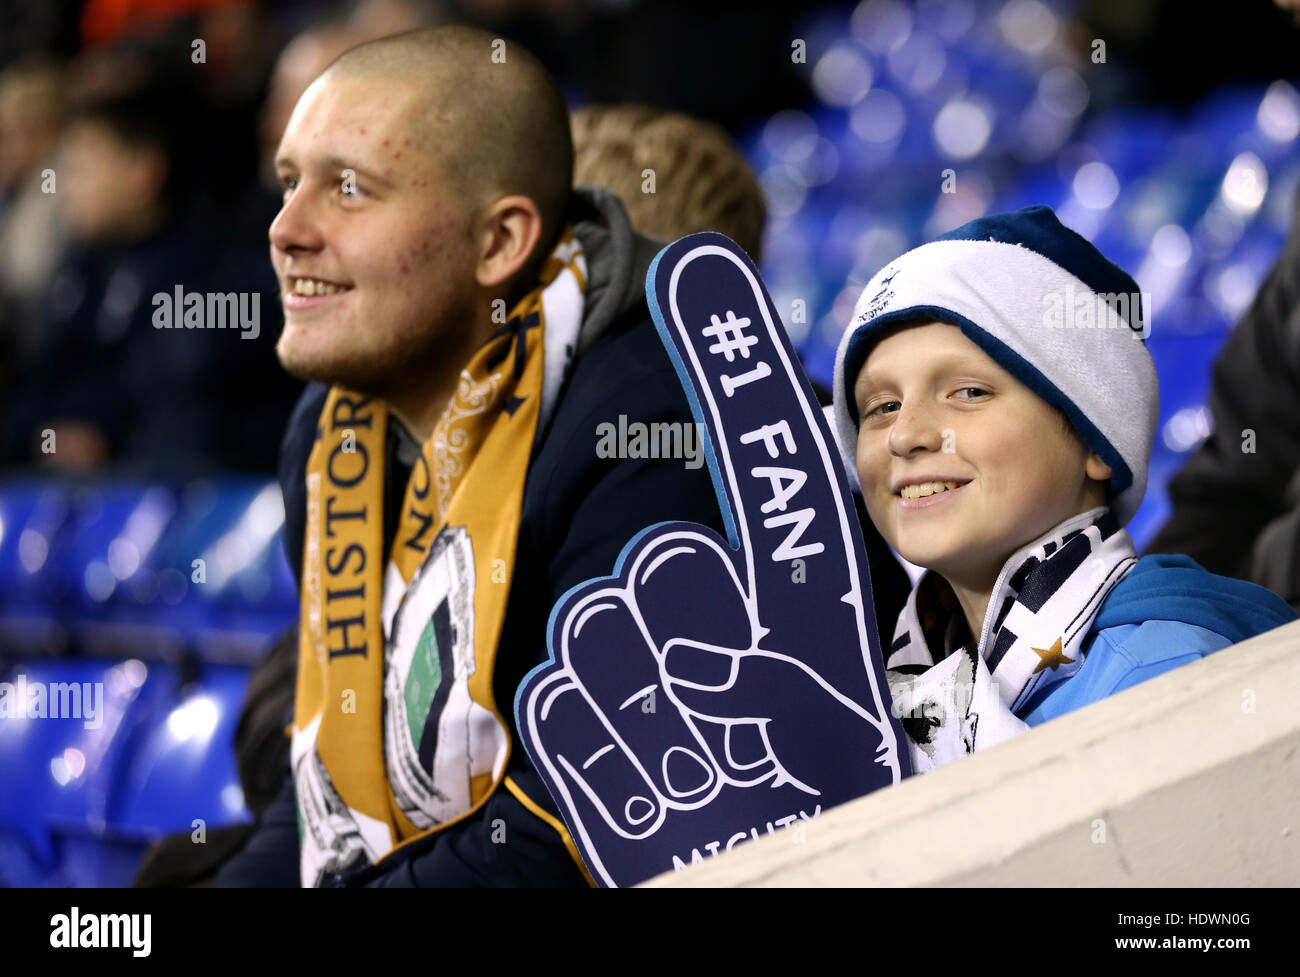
396 730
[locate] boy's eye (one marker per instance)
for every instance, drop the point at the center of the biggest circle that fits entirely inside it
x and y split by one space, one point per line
879 409
287 183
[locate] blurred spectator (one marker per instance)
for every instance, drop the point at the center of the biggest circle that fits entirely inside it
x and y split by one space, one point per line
697 180
117 184
302 59
1236 503
31 237
379 18
30 109
107 388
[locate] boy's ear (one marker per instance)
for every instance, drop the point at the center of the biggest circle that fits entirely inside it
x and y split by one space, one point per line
1096 468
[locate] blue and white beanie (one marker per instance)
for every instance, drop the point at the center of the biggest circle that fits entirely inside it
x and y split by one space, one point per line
1044 304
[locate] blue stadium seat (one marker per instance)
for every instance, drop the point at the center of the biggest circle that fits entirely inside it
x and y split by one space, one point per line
185 766
118 529
36 578
221 564
66 762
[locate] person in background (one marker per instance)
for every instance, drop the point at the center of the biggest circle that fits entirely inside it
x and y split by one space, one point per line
118 380
32 236
675 174
97 370
1235 504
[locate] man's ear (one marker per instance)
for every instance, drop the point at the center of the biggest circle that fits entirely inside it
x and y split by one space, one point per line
1096 468
508 235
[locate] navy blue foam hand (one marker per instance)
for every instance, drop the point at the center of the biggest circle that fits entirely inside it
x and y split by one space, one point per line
712 689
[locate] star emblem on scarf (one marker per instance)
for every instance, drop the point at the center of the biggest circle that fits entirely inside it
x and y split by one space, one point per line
1052 657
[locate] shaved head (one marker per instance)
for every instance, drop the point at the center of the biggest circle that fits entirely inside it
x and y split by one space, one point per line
425 178
486 110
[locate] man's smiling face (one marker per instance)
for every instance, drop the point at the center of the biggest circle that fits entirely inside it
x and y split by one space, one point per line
933 405
373 245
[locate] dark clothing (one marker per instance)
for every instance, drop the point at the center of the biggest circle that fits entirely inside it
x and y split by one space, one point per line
579 511
1236 503
177 391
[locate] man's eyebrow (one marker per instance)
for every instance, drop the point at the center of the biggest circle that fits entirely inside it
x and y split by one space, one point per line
336 165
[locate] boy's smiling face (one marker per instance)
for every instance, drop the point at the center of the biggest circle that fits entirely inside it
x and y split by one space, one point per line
932 405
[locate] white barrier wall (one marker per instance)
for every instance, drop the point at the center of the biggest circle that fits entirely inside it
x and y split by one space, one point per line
1190 779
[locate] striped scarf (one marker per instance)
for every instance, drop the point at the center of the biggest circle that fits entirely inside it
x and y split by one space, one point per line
396 729
970 695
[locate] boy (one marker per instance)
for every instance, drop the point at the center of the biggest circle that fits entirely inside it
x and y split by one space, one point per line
998 391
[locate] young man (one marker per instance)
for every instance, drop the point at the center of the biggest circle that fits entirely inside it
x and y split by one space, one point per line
996 399
469 324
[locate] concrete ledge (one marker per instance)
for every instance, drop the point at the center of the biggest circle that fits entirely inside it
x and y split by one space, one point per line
1190 779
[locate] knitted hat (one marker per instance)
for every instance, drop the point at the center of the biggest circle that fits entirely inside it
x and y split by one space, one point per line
1045 305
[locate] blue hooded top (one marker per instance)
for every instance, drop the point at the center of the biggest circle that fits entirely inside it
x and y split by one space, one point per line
1168 611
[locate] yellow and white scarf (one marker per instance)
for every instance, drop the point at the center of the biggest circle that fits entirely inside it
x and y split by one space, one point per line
396 731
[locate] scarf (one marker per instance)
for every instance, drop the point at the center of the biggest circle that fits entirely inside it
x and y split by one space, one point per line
969 696
396 731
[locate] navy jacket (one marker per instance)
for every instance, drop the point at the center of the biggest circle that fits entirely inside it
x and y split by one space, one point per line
578 513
